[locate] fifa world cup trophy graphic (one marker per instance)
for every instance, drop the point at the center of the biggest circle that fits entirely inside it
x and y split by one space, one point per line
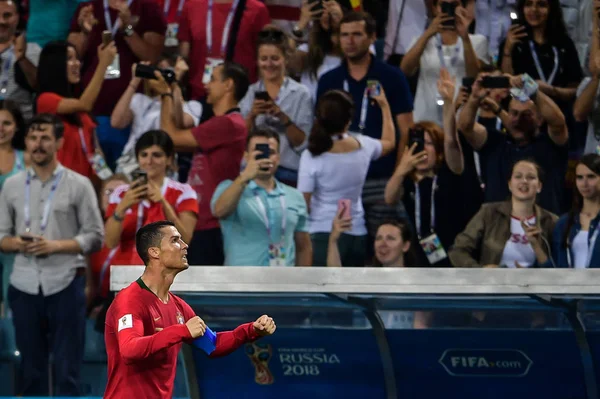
260 354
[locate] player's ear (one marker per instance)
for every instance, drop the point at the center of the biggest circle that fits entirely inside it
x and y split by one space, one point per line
154 252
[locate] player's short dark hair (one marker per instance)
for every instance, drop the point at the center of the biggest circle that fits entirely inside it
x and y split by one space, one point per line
238 74
149 236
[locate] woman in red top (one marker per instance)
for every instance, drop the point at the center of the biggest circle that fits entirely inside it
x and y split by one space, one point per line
149 200
59 74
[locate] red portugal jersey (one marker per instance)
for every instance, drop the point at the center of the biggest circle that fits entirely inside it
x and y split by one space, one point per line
143 336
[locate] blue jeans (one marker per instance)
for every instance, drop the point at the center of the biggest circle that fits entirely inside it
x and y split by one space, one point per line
52 324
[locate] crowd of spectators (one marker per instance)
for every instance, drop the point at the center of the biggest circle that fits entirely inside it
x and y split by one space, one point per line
422 133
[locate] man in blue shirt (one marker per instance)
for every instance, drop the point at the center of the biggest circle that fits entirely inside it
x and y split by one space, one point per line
264 222
357 33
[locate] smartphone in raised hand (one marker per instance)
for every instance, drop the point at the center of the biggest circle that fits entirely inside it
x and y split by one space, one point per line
416 135
344 207
450 10
106 37
265 152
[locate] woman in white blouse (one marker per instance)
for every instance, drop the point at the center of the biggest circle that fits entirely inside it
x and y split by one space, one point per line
279 103
443 45
142 111
335 168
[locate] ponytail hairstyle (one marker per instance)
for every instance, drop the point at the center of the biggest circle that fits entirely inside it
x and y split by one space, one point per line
592 162
334 112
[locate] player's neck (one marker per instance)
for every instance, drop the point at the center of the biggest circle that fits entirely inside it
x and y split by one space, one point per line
159 283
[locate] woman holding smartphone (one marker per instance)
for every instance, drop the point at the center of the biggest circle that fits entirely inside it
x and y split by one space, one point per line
333 171
575 238
539 45
426 181
392 246
514 233
279 103
446 44
151 197
59 73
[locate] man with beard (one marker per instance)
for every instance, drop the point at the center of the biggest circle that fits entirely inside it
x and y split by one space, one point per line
18 60
525 139
50 218
359 71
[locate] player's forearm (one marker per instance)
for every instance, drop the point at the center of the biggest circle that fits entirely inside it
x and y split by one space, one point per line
134 348
229 341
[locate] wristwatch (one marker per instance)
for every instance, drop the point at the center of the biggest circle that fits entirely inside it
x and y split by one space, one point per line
128 31
298 32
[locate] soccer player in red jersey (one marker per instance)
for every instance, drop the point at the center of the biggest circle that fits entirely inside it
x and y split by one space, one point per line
146 324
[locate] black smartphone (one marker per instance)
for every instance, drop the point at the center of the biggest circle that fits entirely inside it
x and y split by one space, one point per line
106 37
416 135
28 238
495 82
318 6
139 178
450 10
265 152
468 82
514 19
262 95
264 149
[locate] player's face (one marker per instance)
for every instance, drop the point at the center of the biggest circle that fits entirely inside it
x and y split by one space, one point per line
173 251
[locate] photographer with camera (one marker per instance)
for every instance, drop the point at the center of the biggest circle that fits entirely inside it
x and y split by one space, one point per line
426 180
529 110
151 197
142 110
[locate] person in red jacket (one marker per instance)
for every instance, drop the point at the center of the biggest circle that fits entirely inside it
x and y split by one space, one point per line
146 324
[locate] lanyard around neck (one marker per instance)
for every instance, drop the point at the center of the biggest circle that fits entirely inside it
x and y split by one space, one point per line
431 208
364 106
108 21
226 28
265 217
168 6
457 50
538 66
47 202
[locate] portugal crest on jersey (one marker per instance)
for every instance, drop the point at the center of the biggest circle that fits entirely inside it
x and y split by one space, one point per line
180 318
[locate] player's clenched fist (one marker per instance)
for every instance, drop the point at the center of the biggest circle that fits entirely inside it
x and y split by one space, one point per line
264 325
197 326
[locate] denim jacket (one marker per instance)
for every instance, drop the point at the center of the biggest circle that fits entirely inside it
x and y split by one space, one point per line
559 252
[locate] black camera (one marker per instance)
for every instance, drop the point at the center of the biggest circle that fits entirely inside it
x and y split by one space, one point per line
147 72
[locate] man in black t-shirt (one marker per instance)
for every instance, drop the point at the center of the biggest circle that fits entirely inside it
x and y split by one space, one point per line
524 139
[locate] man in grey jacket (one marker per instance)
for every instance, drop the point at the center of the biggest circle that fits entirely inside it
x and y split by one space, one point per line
49 216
